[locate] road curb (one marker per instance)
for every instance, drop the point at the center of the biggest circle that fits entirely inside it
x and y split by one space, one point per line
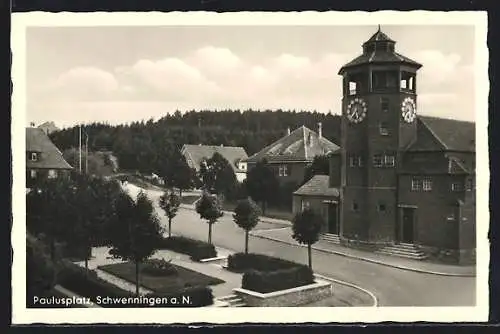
354 286
421 271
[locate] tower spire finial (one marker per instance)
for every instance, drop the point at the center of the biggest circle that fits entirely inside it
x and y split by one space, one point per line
379 27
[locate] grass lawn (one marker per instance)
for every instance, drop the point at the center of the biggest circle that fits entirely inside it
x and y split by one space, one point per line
164 284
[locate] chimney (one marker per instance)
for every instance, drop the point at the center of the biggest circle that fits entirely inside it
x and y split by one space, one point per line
320 130
288 131
32 124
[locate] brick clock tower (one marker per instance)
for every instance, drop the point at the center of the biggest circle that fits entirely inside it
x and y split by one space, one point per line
379 108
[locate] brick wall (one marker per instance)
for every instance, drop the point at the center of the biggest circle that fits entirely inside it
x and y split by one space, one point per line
435 224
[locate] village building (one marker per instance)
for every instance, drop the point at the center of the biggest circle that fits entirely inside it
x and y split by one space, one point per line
401 183
196 155
48 127
43 158
290 156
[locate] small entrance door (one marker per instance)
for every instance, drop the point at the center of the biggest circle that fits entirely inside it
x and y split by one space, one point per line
333 221
407 223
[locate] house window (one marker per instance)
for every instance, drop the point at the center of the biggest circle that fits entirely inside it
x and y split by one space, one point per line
383 129
470 184
427 184
384 104
356 161
377 160
33 173
381 207
283 170
456 186
305 205
354 206
416 184
33 156
52 174
389 160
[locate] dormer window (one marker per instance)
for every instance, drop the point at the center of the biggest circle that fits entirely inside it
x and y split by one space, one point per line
33 156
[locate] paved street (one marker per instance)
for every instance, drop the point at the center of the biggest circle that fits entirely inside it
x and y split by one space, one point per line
393 287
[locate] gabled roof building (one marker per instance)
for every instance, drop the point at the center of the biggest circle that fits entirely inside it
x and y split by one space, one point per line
43 158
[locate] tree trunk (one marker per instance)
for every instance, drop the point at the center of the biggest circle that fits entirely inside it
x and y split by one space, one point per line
169 227
137 283
210 233
52 248
263 207
246 241
309 255
180 192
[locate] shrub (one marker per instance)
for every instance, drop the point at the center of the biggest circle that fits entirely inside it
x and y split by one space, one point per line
158 267
264 282
243 262
86 283
197 249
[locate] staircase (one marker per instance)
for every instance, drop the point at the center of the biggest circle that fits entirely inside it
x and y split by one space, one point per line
232 300
333 238
408 251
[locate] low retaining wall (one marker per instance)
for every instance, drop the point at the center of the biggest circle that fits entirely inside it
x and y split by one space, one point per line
290 297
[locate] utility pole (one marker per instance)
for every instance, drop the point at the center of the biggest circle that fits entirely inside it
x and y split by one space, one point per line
80 148
86 152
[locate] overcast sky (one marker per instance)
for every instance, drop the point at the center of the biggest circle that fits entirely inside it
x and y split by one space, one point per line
122 74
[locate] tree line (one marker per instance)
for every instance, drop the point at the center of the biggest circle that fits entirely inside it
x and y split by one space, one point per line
148 146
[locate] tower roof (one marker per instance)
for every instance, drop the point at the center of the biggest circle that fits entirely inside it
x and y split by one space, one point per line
379 49
379 36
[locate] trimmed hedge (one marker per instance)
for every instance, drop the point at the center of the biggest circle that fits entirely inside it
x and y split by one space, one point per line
197 249
270 281
242 262
86 283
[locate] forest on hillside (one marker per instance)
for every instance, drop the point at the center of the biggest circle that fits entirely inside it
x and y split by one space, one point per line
147 146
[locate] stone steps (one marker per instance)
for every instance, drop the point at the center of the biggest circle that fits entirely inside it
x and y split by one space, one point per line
408 251
232 301
333 238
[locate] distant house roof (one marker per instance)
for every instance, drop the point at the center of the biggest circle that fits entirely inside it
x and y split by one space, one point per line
48 127
195 154
452 135
318 185
50 156
302 144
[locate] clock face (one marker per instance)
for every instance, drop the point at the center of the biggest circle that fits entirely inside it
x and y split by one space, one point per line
408 109
356 110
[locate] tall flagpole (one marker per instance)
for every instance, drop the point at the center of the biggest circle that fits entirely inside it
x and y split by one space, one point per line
80 148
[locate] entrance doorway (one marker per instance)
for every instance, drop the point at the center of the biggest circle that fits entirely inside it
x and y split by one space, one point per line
333 221
407 225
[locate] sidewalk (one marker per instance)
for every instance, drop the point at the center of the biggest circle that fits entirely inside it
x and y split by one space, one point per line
284 235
